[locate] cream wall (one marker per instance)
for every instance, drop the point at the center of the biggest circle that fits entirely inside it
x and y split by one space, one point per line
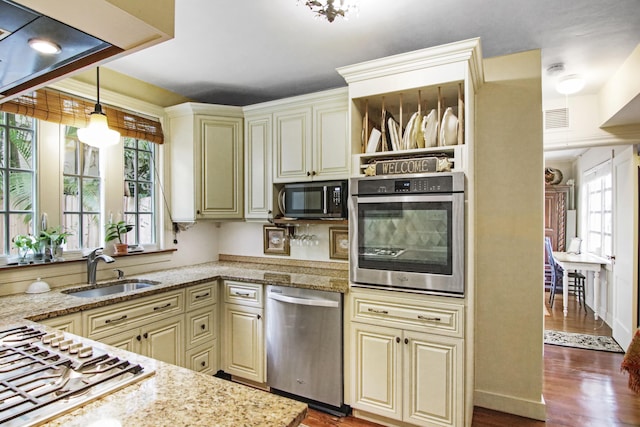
509 237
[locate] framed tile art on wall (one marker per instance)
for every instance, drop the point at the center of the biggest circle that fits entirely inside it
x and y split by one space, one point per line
275 241
338 243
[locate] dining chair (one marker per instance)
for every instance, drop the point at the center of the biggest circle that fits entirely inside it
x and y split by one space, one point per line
576 279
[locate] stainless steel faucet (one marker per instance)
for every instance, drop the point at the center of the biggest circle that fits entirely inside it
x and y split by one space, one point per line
92 263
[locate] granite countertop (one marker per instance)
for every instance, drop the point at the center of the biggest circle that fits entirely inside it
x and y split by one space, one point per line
176 396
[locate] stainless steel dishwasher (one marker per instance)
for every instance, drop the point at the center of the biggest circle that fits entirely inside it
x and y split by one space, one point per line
304 345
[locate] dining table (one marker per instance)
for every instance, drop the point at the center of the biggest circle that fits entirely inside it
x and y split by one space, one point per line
580 262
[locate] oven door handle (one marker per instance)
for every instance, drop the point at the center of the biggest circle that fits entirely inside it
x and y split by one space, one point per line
407 198
304 301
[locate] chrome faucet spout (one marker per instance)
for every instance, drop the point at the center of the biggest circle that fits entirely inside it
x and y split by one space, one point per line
92 264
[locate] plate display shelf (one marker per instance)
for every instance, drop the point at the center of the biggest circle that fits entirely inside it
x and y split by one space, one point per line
407 86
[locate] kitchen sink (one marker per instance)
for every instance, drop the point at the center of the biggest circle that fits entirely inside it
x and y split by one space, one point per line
111 288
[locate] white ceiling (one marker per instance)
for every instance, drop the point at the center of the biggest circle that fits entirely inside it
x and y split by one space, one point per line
241 52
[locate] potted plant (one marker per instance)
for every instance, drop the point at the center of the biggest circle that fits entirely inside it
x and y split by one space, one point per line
24 243
116 230
54 238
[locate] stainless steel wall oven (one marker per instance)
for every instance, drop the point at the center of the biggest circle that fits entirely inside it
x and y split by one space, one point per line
407 232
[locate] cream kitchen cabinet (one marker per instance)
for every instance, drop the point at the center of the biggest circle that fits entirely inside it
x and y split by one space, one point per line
152 326
258 194
206 157
201 320
243 347
70 323
311 138
406 358
162 340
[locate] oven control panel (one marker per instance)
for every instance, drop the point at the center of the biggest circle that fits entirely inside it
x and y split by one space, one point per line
432 183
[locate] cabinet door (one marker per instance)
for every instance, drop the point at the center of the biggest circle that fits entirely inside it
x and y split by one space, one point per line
244 342
220 187
126 340
201 325
164 340
292 145
70 323
203 358
376 370
332 149
258 182
433 380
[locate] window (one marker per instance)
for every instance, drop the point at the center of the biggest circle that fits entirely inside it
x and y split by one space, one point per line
81 192
139 194
599 215
17 178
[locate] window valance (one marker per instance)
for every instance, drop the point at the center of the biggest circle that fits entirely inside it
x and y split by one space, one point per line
59 107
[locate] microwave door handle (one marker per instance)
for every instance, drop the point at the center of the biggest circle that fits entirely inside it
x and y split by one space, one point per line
326 201
281 203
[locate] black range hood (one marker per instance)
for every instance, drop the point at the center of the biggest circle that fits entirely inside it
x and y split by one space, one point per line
21 66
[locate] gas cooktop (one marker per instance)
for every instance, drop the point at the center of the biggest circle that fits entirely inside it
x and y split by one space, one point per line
45 375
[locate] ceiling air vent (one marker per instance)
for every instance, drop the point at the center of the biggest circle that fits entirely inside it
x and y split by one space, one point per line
4 33
556 119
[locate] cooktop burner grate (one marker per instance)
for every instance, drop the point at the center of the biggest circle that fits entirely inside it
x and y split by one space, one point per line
45 375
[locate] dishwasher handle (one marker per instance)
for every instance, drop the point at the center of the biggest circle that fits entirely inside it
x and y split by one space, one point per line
305 301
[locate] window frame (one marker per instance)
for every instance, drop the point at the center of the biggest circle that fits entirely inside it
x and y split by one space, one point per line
600 175
49 153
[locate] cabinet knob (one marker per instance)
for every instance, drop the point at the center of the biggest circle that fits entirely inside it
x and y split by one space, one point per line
145 335
308 173
398 340
406 340
203 364
313 173
139 338
203 326
259 317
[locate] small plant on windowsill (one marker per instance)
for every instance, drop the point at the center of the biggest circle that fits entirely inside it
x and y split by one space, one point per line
24 243
54 238
116 231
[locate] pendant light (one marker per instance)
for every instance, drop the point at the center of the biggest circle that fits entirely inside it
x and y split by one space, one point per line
98 134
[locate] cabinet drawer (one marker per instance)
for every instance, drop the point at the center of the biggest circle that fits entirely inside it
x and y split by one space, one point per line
202 325
201 295
440 318
203 358
107 320
249 294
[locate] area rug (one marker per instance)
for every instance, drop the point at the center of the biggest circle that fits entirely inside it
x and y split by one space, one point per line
589 342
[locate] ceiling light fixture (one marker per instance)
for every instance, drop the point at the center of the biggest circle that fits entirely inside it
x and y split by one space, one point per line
567 85
44 46
330 9
98 134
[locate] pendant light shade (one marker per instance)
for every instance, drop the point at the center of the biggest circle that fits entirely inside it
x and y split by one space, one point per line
97 133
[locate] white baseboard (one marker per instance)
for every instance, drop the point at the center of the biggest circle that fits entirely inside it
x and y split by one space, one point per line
536 410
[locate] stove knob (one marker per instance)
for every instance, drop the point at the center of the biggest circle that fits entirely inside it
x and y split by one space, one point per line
74 348
85 352
65 344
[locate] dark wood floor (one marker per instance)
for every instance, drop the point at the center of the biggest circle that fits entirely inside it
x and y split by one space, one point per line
581 387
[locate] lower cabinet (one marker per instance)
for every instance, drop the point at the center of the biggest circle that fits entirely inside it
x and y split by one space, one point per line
162 340
404 373
244 349
243 346
71 323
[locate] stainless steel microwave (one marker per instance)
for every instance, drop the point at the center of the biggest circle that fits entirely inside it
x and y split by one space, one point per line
314 200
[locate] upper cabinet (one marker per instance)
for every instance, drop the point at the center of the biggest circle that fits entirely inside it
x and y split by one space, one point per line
257 167
310 138
294 139
206 149
414 104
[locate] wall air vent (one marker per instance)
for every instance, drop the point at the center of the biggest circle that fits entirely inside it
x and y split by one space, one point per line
557 118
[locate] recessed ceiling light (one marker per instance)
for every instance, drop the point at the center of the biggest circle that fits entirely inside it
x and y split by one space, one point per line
570 84
45 46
